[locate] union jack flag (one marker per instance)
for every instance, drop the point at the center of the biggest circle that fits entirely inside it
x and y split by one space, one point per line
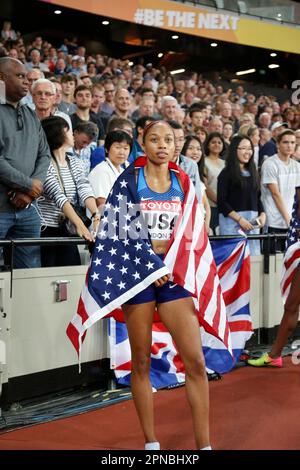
123 263
232 258
233 265
292 254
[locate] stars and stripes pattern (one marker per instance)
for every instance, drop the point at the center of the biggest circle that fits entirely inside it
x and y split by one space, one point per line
233 264
123 263
292 254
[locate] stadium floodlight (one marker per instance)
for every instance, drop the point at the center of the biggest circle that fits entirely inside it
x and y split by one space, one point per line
174 72
245 72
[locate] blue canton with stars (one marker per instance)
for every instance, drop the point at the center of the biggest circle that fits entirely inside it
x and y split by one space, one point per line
292 236
123 256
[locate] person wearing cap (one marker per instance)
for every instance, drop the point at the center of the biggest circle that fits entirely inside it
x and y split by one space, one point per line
270 148
280 175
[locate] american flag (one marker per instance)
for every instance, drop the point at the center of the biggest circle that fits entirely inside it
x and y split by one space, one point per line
123 263
292 254
233 264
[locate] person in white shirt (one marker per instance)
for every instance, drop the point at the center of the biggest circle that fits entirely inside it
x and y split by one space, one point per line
280 175
118 146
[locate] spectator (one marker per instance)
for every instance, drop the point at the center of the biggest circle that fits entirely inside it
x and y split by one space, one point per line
65 184
24 160
44 97
118 145
247 118
215 125
146 108
84 135
122 103
98 98
196 118
7 33
169 107
214 164
180 116
115 123
253 133
280 175
264 120
32 76
289 115
109 91
238 197
60 67
186 164
201 133
68 83
58 94
35 62
193 149
141 124
226 110
264 136
228 132
237 111
13 53
269 148
83 100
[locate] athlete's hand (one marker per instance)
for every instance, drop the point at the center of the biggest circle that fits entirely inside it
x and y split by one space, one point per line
162 280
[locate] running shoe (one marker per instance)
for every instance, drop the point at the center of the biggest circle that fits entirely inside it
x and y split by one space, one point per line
265 361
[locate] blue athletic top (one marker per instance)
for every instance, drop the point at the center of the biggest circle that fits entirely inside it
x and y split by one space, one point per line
160 210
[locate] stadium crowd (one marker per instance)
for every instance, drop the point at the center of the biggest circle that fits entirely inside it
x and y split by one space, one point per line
76 120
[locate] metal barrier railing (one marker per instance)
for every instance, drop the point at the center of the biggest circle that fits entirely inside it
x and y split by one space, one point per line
11 244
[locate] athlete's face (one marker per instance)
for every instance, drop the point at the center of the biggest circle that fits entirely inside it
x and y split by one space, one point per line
159 144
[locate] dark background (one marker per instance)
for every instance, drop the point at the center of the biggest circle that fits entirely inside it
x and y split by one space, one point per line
140 43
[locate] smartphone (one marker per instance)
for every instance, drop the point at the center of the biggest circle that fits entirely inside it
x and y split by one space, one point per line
255 223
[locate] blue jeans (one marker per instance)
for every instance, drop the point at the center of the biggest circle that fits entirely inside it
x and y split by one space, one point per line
229 227
25 223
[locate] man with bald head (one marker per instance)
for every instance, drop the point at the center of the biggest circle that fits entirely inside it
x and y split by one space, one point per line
122 103
24 161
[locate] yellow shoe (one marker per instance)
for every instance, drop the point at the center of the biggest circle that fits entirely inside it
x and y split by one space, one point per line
265 361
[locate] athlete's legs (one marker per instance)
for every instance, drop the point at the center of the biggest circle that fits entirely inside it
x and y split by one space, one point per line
139 319
290 316
180 318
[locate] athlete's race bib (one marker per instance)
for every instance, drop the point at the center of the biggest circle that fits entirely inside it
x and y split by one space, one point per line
160 217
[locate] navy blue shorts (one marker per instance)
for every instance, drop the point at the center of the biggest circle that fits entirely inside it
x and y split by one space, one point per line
168 292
